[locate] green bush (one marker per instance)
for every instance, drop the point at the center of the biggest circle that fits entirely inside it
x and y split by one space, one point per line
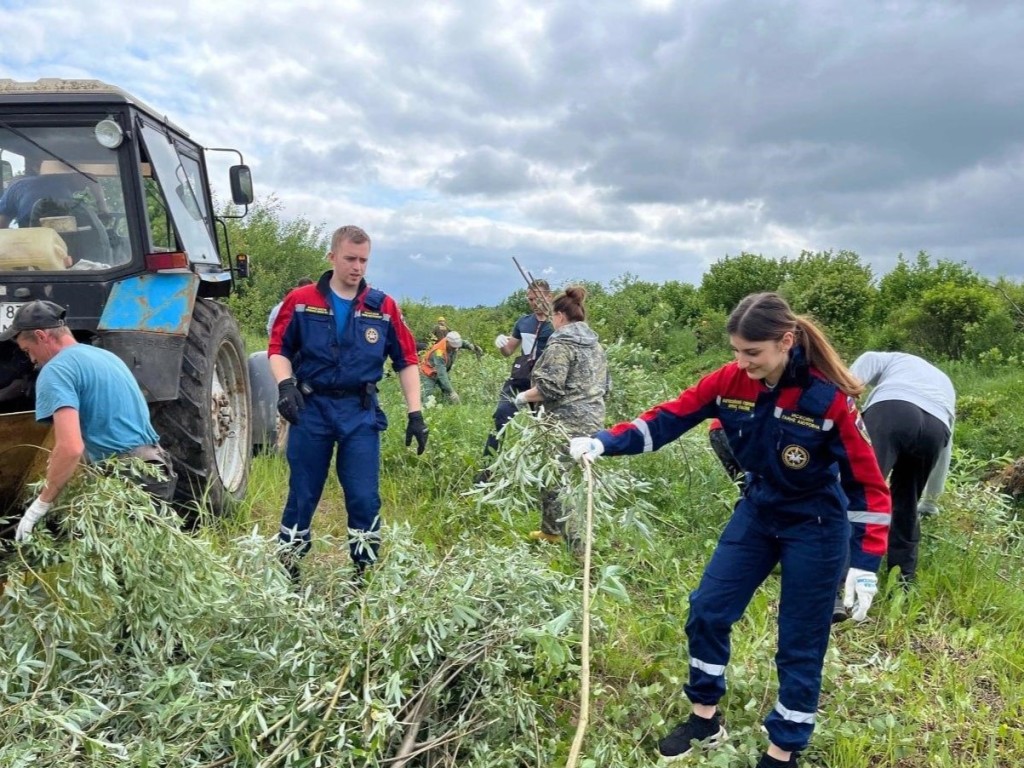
729 280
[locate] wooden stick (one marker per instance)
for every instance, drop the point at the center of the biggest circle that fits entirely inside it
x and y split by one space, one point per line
581 725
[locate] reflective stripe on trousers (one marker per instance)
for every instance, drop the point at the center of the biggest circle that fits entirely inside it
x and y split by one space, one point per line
324 423
811 551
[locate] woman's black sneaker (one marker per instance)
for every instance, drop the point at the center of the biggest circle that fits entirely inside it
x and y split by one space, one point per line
707 732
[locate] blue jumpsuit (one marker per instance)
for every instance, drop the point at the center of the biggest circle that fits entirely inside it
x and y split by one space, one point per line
811 475
342 409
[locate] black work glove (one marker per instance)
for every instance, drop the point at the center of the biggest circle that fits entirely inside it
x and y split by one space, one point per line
289 401
416 428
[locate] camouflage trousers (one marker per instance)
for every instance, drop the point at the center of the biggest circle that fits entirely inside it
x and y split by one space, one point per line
557 518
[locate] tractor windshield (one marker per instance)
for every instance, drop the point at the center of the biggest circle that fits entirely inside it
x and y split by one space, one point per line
62 206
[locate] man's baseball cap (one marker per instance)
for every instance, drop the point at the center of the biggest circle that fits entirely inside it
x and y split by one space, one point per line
454 340
35 316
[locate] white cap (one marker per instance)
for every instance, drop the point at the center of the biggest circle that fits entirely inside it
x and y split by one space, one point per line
454 339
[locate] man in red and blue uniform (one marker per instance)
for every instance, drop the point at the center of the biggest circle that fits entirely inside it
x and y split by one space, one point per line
327 351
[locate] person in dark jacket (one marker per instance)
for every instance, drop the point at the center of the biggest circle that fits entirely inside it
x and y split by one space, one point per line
787 406
327 351
530 336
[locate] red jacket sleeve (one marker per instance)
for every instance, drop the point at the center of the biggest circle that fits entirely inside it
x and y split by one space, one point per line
665 422
401 345
278 344
869 502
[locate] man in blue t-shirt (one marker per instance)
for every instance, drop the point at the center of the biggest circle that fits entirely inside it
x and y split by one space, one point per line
92 400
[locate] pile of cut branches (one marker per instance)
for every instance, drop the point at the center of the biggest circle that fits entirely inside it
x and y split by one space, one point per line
128 642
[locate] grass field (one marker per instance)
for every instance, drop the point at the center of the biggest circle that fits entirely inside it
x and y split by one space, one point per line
933 678
238 669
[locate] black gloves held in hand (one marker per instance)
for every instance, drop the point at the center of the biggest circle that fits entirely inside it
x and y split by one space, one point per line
289 400
416 428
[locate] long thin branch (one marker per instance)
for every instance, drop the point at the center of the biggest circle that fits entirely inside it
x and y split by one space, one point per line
406 750
444 738
1011 302
581 725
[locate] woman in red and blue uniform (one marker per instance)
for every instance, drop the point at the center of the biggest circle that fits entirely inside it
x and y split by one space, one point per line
787 407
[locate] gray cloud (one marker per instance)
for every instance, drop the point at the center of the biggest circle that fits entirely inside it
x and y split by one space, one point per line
592 138
484 171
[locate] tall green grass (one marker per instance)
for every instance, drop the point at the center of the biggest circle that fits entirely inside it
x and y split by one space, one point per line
934 677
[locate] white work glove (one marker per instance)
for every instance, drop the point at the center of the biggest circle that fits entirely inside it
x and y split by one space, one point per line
588 448
36 512
861 587
500 341
521 401
454 397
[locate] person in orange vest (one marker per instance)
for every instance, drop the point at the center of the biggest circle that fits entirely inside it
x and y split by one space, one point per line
435 365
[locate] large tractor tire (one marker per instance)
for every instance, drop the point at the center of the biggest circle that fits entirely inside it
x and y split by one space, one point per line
208 429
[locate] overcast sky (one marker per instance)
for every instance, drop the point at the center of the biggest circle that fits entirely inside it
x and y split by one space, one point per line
588 138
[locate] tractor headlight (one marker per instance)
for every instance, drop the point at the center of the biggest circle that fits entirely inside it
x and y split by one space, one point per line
109 133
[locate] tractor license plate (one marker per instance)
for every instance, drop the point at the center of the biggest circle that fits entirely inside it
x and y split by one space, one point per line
7 312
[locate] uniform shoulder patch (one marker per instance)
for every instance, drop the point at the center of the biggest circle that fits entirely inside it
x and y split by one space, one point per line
862 428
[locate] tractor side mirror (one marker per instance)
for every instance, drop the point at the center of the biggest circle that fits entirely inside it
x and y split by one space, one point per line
6 173
241 185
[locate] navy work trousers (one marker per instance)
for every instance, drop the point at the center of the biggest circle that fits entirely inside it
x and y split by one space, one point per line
324 423
811 551
503 414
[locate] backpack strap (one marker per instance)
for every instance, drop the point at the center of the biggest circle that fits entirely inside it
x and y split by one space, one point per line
374 299
817 397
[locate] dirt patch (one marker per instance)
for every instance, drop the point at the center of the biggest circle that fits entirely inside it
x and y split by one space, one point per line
1010 480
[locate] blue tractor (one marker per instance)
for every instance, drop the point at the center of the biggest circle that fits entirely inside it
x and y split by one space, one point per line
105 208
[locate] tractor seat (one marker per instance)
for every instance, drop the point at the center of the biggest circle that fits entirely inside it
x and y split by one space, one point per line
89 240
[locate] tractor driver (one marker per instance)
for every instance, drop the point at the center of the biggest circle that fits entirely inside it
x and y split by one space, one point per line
58 182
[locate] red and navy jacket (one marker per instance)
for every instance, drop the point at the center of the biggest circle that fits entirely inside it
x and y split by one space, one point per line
305 332
803 445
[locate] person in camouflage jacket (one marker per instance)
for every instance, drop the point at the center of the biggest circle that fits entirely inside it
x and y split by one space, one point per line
570 380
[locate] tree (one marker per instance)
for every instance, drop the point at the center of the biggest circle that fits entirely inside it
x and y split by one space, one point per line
729 280
907 282
835 289
952 321
280 252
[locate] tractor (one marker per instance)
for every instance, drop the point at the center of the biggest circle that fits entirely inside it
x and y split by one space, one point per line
105 209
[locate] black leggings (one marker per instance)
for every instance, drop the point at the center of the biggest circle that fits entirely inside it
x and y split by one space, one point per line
907 443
